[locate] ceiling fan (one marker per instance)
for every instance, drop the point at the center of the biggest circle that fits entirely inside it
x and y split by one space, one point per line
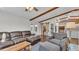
31 8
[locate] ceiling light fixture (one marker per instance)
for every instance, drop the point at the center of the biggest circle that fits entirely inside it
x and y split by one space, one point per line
31 8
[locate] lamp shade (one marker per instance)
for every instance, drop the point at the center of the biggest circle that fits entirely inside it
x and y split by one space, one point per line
3 37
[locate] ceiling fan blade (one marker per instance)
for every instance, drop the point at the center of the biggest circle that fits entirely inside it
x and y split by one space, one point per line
26 10
35 9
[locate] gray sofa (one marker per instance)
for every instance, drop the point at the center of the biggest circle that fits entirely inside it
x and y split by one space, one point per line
52 43
6 44
60 43
59 39
15 37
33 39
45 46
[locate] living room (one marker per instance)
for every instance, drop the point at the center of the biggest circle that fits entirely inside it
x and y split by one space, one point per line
39 28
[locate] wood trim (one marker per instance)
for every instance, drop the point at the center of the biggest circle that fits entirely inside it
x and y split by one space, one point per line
44 13
59 15
74 16
64 18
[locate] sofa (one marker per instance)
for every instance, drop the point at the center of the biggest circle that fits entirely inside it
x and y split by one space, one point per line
15 37
8 41
45 46
33 39
56 42
59 39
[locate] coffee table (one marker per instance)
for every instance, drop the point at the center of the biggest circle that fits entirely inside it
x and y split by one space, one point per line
18 47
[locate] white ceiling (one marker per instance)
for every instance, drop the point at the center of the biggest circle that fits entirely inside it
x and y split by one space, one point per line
55 12
20 11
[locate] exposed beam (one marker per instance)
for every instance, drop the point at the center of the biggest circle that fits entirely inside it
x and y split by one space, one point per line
44 13
59 15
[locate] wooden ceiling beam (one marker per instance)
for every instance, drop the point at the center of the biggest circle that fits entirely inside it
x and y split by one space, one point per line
59 15
44 13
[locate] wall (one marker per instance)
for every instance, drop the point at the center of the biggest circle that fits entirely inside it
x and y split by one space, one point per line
38 27
10 22
75 13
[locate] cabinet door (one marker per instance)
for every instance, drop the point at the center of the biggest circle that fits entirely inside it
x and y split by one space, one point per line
78 35
74 34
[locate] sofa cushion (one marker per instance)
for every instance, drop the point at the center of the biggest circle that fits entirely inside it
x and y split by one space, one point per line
60 35
19 40
47 46
15 35
61 43
55 41
49 37
5 44
26 33
33 38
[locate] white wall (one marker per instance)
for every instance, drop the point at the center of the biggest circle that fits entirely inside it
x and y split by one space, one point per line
38 27
10 22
